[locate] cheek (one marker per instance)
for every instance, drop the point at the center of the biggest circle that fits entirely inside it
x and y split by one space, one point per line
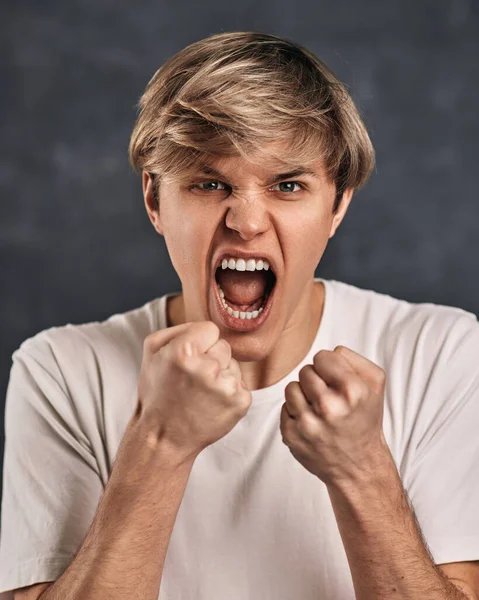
308 237
188 239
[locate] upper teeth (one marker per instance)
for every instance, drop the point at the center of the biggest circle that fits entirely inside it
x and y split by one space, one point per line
240 264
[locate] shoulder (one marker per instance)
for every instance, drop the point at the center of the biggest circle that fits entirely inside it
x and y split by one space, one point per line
392 330
86 346
398 318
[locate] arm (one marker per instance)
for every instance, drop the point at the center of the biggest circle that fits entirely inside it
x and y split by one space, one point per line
386 553
123 554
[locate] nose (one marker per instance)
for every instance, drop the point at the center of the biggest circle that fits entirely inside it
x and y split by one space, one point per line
247 214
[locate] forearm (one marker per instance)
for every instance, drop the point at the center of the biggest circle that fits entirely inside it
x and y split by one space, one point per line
382 539
123 554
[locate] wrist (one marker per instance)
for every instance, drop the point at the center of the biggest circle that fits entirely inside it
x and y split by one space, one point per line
378 470
149 438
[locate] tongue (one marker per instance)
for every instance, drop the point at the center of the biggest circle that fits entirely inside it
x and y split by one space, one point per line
242 288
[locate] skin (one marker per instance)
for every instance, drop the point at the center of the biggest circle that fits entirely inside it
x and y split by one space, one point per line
240 210
331 419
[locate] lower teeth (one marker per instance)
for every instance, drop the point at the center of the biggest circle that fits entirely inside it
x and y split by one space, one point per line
237 313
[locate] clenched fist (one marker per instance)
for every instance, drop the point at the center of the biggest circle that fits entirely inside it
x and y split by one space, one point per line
190 389
332 417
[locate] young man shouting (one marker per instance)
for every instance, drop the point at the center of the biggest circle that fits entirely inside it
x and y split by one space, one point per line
264 434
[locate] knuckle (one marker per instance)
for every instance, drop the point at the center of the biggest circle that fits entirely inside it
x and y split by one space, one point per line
209 325
290 388
199 329
147 343
215 367
246 399
305 371
319 356
326 407
353 389
229 385
305 424
225 347
235 369
210 368
381 376
178 354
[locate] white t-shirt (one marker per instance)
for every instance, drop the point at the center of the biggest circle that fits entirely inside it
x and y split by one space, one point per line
253 524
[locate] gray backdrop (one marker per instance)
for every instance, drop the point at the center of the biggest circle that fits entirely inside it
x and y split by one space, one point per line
75 241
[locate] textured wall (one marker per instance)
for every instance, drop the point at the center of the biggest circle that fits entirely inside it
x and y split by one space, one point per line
75 242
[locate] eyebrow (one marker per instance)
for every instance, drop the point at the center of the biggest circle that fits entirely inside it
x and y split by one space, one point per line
205 170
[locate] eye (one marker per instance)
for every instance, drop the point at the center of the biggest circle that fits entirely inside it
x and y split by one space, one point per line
290 183
215 187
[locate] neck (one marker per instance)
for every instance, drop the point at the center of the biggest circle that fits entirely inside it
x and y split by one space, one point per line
292 346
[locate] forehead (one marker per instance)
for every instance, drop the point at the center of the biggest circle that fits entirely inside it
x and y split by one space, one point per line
272 163
264 165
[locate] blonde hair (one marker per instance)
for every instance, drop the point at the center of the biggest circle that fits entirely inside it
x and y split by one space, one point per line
232 93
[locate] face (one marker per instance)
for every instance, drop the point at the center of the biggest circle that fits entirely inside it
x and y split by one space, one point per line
236 207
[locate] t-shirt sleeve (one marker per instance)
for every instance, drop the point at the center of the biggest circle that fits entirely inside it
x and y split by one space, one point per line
51 480
443 484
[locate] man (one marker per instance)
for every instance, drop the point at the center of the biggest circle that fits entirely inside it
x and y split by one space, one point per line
264 433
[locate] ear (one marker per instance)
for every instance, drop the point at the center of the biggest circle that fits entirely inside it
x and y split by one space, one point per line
150 203
343 207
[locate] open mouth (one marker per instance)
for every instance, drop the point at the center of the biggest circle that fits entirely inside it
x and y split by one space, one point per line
244 298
